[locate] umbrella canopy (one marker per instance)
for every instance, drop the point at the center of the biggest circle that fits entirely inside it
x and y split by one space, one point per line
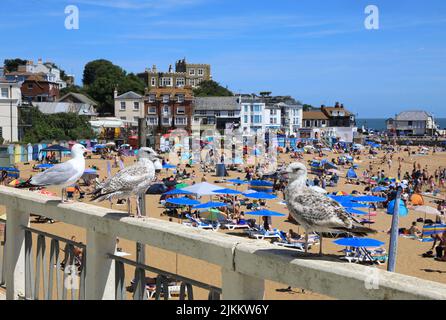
402 209
169 166
354 211
358 242
56 148
44 166
227 191
203 189
351 204
341 198
266 213
260 195
212 214
90 171
342 193
181 185
183 201
177 192
379 189
427 210
369 199
238 181
210 205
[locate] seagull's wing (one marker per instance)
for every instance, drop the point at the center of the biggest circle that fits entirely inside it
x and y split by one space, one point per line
56 175
125 181
318 209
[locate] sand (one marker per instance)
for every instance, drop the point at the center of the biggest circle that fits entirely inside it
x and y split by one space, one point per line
409 259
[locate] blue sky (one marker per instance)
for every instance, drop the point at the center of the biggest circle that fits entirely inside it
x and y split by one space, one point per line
318 51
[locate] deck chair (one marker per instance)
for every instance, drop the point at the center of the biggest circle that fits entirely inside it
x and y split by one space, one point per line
196 223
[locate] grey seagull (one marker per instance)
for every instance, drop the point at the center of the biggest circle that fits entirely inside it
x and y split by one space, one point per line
314 211
131 181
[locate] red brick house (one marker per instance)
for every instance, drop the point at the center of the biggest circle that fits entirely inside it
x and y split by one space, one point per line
36 88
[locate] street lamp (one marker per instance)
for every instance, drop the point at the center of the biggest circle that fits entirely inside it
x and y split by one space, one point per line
10 109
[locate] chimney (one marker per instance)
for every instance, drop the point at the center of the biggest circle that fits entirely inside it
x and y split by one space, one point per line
342 106
40 61
115 93
154 68
170 68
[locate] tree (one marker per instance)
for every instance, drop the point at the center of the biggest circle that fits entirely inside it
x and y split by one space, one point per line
307 107
210 88
12 65
58 126
102 77
74 88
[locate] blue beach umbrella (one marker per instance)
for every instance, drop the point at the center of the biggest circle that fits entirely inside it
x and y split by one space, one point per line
169 166
354 211
44 166
358 242
402 209
350 204
260 196
183 201
369 199
341 198
266 213
227 191
210 205
379 189
177 192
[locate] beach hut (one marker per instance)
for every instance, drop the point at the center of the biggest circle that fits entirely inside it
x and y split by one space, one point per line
17 153
29 148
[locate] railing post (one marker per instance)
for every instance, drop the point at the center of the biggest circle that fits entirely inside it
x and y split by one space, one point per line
237 286
100 276
15 253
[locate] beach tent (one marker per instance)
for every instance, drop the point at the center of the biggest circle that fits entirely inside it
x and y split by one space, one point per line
402 208
158 188
203 189
351 174
56 148
30 152
417 199
429 230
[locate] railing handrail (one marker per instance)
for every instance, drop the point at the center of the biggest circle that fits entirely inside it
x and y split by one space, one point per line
252 258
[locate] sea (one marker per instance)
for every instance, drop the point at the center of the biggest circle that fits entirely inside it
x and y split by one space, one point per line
380 124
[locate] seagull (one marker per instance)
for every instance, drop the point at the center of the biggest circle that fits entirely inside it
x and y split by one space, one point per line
63 174
131 181
314 211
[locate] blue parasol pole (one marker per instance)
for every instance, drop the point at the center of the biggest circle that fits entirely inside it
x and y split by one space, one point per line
393 246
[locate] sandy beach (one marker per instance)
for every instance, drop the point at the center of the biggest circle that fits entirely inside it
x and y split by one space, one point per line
409 261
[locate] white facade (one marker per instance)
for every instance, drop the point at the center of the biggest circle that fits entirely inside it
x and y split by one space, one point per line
129 107
253 116
52 74
292 116
10 99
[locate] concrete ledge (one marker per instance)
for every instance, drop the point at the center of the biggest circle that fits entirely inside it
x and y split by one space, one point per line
253 258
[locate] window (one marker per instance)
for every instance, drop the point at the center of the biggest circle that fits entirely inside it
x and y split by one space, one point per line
151 110
153 82
136 106
166 98
136 119
246 119
246 109
273 121
166 121
308 123
181 121
191 72
256 119
30 86
166 82
181 110
273 112
124 118
152 98
152 121
231 114
200 72
181 98
123 106
217 113
192 82
166 109
180 82
410 123
1 132
5 93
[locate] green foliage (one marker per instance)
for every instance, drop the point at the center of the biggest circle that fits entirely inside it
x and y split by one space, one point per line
307 107
211 88
11 65
101 77
58 126
75 89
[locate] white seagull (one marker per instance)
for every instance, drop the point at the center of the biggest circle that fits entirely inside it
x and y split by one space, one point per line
131 181
314 211
63 174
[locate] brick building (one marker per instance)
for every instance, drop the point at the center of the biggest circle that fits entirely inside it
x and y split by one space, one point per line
168 108
37 88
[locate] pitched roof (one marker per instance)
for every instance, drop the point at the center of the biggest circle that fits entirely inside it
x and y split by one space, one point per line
58 107
330 110
129 95
314 115
82 98
413 115
216 103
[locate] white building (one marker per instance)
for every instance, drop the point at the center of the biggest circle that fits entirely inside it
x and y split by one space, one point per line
10 99
253 114
292 115
129 107
51 73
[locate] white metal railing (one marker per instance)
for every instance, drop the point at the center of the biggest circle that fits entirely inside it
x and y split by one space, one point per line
245 264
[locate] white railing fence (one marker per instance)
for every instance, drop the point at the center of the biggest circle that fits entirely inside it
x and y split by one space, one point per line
245 264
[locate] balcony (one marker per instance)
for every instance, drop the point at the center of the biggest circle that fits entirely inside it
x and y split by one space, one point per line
245 264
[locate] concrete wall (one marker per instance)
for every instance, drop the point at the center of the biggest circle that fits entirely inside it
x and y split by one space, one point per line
245 263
